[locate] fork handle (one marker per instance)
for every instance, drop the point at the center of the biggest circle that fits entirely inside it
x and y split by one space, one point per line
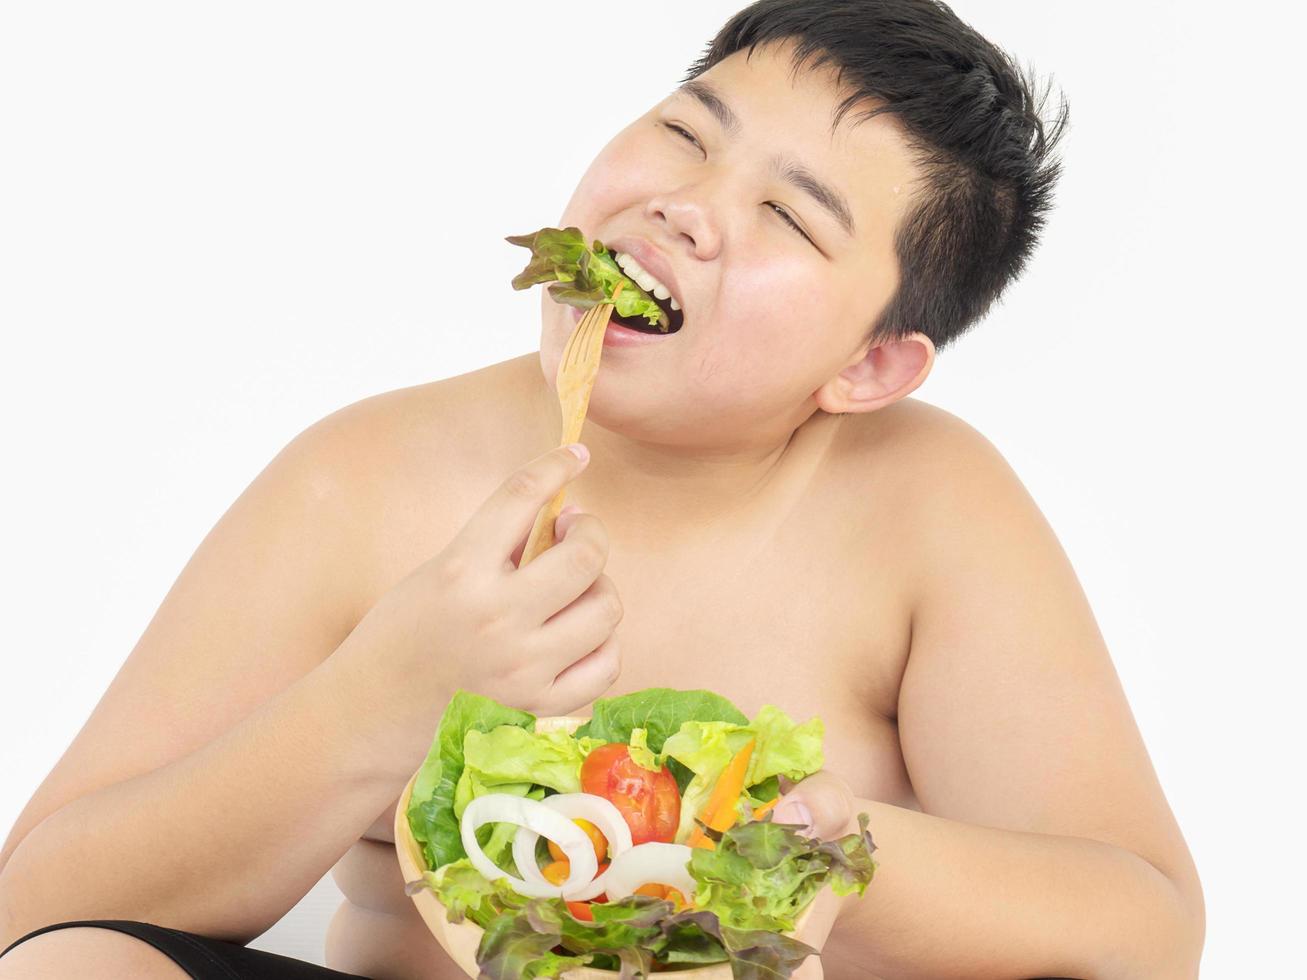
541 538
574 400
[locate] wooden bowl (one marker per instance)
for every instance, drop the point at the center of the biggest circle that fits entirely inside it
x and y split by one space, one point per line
460 940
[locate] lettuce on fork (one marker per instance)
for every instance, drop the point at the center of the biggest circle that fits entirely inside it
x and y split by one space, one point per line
583 275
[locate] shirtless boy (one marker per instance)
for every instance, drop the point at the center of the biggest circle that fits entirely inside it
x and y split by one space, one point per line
764 512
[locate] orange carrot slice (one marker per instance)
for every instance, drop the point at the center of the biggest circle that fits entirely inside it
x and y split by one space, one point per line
719 812
760 812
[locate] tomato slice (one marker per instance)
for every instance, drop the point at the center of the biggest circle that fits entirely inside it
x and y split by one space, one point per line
648 801
581 910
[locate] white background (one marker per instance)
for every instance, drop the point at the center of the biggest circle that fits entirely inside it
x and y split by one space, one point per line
220 222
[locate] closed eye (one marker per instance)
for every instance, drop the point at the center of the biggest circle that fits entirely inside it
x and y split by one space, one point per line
785 215
685 133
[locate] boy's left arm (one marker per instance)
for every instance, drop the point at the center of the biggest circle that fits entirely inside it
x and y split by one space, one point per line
1045 846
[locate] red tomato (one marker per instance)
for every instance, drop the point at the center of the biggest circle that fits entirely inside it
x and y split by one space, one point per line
649 802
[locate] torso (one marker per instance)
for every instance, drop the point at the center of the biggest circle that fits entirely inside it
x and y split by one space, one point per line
799 602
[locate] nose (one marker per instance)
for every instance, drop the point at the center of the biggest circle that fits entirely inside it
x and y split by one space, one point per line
684 215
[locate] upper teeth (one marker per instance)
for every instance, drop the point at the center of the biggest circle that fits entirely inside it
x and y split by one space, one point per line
645 279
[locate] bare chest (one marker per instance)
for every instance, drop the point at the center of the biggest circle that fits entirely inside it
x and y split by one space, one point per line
796 620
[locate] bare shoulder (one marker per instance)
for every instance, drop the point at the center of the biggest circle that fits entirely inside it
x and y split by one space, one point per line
921 455
414 462
426 436
945 486
430 416
915 431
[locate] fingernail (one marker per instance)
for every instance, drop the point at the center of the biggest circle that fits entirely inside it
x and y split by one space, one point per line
563 522
569 509
794 812
579 451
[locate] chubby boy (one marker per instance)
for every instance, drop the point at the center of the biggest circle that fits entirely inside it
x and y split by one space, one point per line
759 508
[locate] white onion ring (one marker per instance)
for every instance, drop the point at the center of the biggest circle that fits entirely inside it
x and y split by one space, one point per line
506 808
651 863
578 806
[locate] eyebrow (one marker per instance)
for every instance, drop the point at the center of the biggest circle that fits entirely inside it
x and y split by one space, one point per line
827 197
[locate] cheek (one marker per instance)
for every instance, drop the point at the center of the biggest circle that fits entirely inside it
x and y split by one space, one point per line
769 311
778 335
619 176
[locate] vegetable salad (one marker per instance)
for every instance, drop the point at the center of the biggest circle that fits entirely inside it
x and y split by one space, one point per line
642 842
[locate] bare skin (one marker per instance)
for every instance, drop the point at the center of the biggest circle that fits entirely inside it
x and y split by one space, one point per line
765 513
777 626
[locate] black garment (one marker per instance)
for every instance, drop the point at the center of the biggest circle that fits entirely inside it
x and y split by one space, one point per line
208 959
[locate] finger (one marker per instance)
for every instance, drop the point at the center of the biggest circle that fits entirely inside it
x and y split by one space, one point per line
502 522
815 925
586 679
586 623
515 559
822 805
565 571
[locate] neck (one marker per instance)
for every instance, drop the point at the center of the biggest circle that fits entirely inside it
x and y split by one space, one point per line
670 487
657 492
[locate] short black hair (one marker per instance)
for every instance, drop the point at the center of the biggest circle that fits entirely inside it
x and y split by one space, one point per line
973 121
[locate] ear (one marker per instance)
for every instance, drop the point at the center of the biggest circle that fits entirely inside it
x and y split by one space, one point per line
878 376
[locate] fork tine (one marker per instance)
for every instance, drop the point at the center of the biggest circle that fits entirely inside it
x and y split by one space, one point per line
598 320
589 342
571 344
579 342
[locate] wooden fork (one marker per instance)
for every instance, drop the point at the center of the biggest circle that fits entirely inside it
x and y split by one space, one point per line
576 378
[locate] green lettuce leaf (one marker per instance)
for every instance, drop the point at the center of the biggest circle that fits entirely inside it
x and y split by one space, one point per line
851 863
760 955
641 754
520 942
466 893
583 275
509 755
753 954
784 748
690 936
513 949
761 875
430 810
660 711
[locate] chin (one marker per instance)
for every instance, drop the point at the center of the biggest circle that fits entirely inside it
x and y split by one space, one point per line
633 414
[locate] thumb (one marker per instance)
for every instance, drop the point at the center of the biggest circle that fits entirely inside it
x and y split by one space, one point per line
563 523
822 806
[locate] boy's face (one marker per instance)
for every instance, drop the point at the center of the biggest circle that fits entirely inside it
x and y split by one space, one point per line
770 316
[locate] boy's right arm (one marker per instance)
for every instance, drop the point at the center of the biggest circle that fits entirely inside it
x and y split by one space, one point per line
255 732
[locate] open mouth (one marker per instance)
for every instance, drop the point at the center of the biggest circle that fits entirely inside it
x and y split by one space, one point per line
675 319
649 287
